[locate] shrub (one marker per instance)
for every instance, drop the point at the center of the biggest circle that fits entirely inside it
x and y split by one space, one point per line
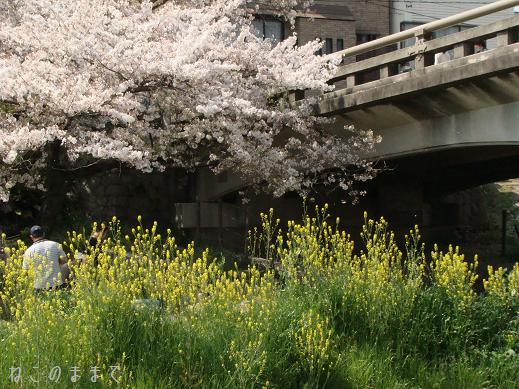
319 313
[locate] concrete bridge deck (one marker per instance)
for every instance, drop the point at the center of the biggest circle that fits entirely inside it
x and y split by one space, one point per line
470 100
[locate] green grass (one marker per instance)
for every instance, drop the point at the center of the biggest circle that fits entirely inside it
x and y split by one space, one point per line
381 320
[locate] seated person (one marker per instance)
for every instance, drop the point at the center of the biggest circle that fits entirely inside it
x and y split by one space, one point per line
442 57
47 259
480 46
94 241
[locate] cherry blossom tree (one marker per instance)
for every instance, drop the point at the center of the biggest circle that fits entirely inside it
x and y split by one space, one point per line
177 83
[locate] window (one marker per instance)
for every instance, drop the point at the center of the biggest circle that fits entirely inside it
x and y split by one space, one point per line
329 45
320 51
340 44
269 28
436 34
363 38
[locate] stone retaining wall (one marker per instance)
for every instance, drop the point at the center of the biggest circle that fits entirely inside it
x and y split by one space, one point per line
129 194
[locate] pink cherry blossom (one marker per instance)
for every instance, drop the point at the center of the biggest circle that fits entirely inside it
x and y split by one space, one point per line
181 83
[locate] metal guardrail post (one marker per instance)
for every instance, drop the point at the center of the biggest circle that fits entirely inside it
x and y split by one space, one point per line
198 218
246 229
220 223
504 217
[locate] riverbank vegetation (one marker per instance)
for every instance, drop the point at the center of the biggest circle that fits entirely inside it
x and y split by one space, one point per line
315 310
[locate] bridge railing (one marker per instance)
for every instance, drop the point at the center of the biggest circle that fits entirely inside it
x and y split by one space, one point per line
422 53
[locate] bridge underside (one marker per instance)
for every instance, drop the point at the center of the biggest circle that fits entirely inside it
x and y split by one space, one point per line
454 169
436 140
483 112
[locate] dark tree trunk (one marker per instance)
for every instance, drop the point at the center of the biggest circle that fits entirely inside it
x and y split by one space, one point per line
54 207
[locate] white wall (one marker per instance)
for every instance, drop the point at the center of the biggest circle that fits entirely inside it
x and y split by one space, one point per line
427 11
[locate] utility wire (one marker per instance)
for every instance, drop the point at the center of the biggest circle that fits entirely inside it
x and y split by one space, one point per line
439 2
430 2
401 11
446 3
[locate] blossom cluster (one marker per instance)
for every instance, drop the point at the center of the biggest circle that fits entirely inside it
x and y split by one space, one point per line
186 84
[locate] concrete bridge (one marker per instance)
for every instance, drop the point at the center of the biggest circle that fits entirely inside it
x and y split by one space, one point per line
445 126
465 110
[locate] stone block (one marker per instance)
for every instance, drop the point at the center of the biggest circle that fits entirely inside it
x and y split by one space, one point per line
114 190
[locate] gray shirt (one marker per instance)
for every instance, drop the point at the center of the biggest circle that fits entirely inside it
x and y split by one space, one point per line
43 256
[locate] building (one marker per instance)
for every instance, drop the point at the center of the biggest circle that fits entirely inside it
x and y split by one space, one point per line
339 24
407 14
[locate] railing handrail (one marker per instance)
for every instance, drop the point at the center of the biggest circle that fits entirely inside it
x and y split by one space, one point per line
435 45
427 28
